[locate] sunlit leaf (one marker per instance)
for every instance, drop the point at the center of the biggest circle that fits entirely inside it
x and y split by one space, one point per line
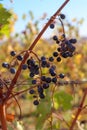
5 30
4 15
4 20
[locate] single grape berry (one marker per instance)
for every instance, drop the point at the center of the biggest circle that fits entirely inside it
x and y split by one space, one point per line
61 75
41 95
12 53
55 54
24 66
20 58
48 80
57 41
31 91
45 85
36 102
55 38
12 70
51 59
52 26
54 80
31 75
44 63
62 16
40 89
43 58
59 49
33 81
58 59
43 78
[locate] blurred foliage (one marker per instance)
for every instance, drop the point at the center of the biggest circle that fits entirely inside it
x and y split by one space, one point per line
4 21
59 105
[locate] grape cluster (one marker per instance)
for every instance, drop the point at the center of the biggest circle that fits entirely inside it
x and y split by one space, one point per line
65 47
41 82
33 67
11 66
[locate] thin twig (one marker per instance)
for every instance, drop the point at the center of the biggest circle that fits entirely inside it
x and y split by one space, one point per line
79 110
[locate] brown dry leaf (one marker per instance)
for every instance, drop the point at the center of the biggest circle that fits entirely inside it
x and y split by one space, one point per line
10 117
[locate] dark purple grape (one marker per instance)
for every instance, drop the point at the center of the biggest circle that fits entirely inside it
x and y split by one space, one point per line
52 25
57 41
44 63
73 41
58 49
41 95
51 59
12 70
5 65
55 54
48 80
61 75
58 59
43 78
55 38
24 66
54 80
33 81
31 74
40 89
12 53
45 85
20 58
36 102
43 58
53 67
31 91
31 62
65 54
62 16
67 42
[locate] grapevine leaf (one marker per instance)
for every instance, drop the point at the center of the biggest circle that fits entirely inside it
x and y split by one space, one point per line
4 20
63 99
43 109
5 30
4 15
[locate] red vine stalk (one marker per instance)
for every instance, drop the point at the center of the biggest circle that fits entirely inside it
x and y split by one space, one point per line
79 110
31 48
3 117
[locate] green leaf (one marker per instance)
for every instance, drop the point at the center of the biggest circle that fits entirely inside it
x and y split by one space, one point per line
4 15
63 99
43 109
5 30
4 21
